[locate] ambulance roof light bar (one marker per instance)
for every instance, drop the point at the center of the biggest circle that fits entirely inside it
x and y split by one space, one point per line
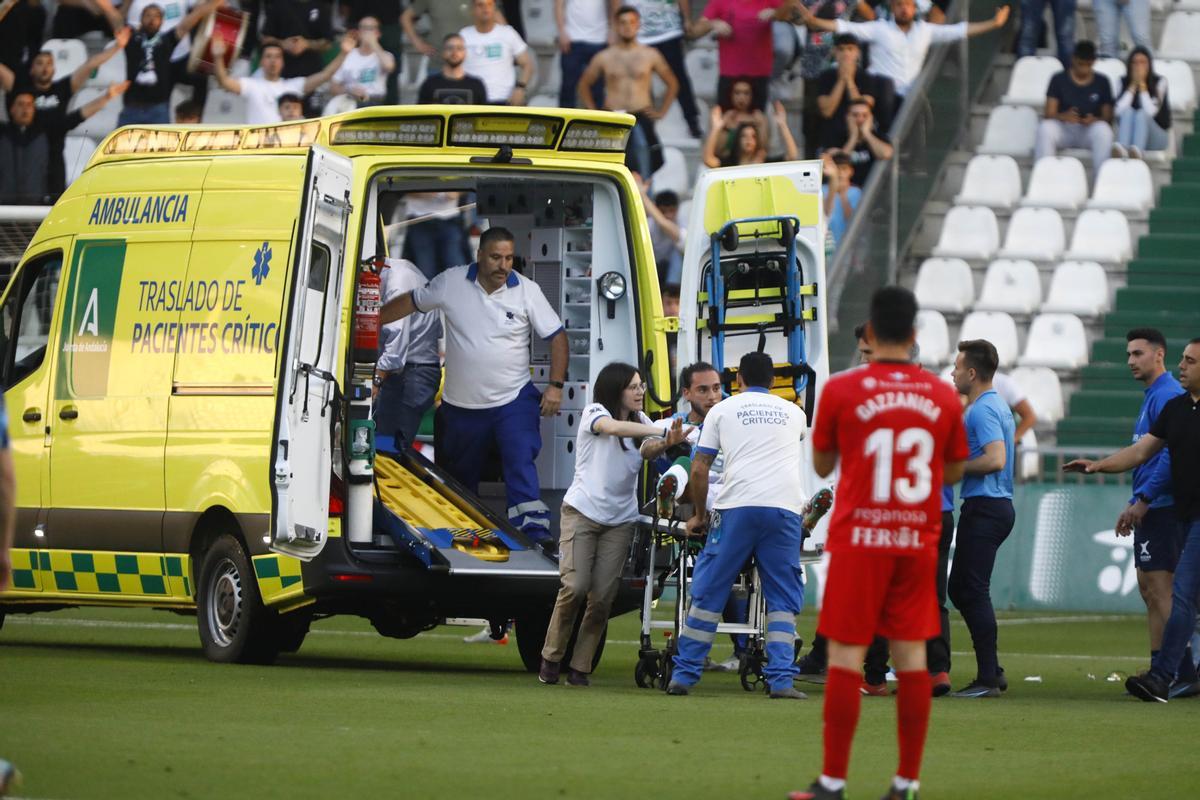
143 140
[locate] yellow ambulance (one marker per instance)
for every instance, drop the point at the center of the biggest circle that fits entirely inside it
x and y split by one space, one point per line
184 392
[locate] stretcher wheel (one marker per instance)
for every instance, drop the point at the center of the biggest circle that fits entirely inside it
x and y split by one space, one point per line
751 673
729 239
645 672
666 666
787 232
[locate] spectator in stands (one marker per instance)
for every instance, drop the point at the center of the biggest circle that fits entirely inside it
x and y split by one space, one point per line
189 112
582 33
453 85
749 148
387 17
291 107
148 63
667 236
445 18
627 68
435 239
745 46
663 27
740 112
262 94
1032 27
1142 109
173 12
26 145
303 29
52 97
21 31
494 51
839 194
812 50
845 83
74 18
865 143
1012 395
1079 109
899 45
1108 24
363 75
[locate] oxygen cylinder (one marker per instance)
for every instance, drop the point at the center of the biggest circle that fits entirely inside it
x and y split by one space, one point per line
360 500
366 313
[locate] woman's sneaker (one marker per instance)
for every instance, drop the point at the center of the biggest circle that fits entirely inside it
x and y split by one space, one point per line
548 673
577 678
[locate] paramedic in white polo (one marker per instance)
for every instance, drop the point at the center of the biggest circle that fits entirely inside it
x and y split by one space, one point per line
488 399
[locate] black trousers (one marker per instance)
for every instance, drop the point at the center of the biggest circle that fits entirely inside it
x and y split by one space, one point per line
984 524
672 51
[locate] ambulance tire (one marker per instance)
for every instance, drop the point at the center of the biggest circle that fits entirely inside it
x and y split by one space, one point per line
235 626
530 643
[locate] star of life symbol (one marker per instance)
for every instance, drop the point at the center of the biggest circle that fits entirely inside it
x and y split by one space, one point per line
262 264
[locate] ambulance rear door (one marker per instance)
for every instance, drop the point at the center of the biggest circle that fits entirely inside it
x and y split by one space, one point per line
308 388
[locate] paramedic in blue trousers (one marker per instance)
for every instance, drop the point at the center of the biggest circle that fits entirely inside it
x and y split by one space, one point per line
409 369
758 512
488 398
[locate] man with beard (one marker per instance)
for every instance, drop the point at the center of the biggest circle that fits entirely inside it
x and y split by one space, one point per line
453 85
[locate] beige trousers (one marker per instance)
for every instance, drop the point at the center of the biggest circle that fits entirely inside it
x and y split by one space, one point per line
591 557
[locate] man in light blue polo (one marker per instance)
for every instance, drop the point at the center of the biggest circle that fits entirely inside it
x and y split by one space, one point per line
986 518
489 399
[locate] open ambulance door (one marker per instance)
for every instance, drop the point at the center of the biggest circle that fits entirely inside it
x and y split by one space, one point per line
306 404
754 279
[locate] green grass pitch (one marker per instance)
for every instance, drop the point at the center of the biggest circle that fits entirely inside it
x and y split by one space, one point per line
109 703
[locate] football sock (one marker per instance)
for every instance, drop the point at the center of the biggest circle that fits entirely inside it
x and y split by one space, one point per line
913 702
842 703
832 784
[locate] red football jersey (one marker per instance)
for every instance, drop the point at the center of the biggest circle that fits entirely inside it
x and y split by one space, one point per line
894 427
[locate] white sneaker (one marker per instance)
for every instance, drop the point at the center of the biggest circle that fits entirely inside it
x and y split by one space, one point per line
730 664
1119 151
485 637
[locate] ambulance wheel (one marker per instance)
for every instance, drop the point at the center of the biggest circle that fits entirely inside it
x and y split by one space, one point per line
235 626
729 239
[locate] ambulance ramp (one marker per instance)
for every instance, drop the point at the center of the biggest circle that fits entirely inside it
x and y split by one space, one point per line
430 516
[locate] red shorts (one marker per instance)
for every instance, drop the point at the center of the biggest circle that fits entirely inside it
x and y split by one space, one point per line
876 593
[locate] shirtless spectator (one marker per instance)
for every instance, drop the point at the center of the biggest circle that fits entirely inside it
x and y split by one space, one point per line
740 112
262 94
627 67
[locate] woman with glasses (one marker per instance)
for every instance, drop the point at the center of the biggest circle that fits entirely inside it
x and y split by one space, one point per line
598 515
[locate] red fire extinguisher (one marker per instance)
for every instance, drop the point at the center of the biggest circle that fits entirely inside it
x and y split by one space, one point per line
366 311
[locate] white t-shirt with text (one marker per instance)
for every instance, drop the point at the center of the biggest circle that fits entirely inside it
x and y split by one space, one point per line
262 97
363 70
604 488
490 57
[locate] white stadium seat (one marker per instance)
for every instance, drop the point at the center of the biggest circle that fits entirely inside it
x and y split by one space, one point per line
1030 77
1078 287
1013 286
673 174
1181 84
1101 235
76 152
1034 233
702 69
1011 130
540 27
1057 341
69 55
1029 456
1180 36
544 101
945 284
1124 184
995 326
968 232
933 338
1044 391
1057 182
1114 70
993 181
549 81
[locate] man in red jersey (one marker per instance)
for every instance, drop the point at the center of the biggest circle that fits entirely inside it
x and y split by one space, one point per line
899 434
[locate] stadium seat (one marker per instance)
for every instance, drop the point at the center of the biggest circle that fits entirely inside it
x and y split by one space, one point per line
993 181
1114 70
995 326
945 284
968 232
673 174
1101 235
543 101
1030 77
540 27
1013 286
701 64
413 71
933 338
1034 233
549 81
69 55
1057 182
1078 287
1057 341
1181 84
1042 387
1124 184
76 152
103 122
1180 36
672 129
1011 131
